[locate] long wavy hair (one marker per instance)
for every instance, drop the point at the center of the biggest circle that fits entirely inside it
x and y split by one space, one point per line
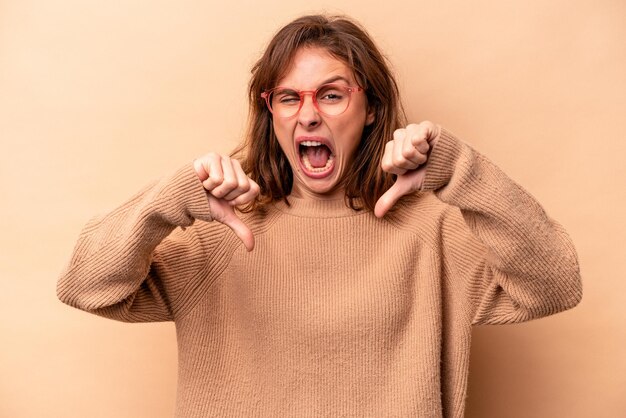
260 154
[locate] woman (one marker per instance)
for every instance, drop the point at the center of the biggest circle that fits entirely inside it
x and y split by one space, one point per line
376 248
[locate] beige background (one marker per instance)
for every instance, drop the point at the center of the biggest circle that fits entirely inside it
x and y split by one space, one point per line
98 98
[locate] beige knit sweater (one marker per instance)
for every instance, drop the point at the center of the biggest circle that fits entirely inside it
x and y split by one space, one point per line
335 313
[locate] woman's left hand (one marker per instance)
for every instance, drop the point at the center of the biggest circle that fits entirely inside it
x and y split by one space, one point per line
406 156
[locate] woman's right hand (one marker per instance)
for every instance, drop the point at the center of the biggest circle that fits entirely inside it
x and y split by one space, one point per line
228 186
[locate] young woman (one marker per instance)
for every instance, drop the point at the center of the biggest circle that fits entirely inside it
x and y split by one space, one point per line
335 264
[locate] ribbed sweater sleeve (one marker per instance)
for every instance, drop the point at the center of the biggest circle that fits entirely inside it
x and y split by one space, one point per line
119 265
506 256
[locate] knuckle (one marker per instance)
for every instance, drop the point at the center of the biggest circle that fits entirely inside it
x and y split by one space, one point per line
421 145
413 130
207 184
408 152
399 133
217 193
230 184
244 186
217 179
398 160
419 138
235 162
202 162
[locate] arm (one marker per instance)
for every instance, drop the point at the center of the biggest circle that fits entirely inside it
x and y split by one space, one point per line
114 270
508 259
134 264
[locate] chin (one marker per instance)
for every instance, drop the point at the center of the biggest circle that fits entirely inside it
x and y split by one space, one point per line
324 188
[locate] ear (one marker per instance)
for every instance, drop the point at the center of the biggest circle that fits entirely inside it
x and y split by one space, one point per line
371 116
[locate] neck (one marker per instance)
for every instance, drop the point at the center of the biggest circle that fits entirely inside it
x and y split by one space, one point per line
318 208
307 194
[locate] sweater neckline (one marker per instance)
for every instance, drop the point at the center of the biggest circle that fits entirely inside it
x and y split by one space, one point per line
318 208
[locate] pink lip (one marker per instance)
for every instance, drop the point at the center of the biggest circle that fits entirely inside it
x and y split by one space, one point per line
303 168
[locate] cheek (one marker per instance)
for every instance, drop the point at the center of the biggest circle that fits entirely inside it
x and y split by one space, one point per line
284 139
351 133
277 128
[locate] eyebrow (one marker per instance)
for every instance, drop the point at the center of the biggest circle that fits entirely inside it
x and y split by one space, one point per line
335 78
329 80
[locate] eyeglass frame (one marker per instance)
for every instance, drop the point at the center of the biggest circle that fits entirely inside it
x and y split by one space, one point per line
301 93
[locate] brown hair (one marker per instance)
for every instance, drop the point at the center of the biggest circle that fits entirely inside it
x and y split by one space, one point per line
261 155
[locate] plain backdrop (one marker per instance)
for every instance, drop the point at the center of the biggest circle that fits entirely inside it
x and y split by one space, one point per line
99 98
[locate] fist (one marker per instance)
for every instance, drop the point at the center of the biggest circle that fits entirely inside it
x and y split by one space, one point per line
409 148
224 179
227 186
406 156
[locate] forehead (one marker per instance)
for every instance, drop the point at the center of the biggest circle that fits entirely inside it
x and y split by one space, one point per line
312 67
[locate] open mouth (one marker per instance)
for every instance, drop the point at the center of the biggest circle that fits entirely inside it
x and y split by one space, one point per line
317 158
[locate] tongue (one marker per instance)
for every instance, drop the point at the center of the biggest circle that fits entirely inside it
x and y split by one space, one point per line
318 156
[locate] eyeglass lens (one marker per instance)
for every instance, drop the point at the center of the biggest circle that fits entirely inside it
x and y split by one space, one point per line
331 100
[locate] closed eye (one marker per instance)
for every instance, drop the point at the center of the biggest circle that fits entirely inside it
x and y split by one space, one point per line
286 97
289 99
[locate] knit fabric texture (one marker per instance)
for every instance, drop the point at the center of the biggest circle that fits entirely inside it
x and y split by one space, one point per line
335 313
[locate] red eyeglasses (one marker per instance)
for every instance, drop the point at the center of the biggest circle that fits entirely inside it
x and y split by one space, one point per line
328 99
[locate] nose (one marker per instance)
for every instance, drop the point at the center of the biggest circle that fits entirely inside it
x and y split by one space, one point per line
309 115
